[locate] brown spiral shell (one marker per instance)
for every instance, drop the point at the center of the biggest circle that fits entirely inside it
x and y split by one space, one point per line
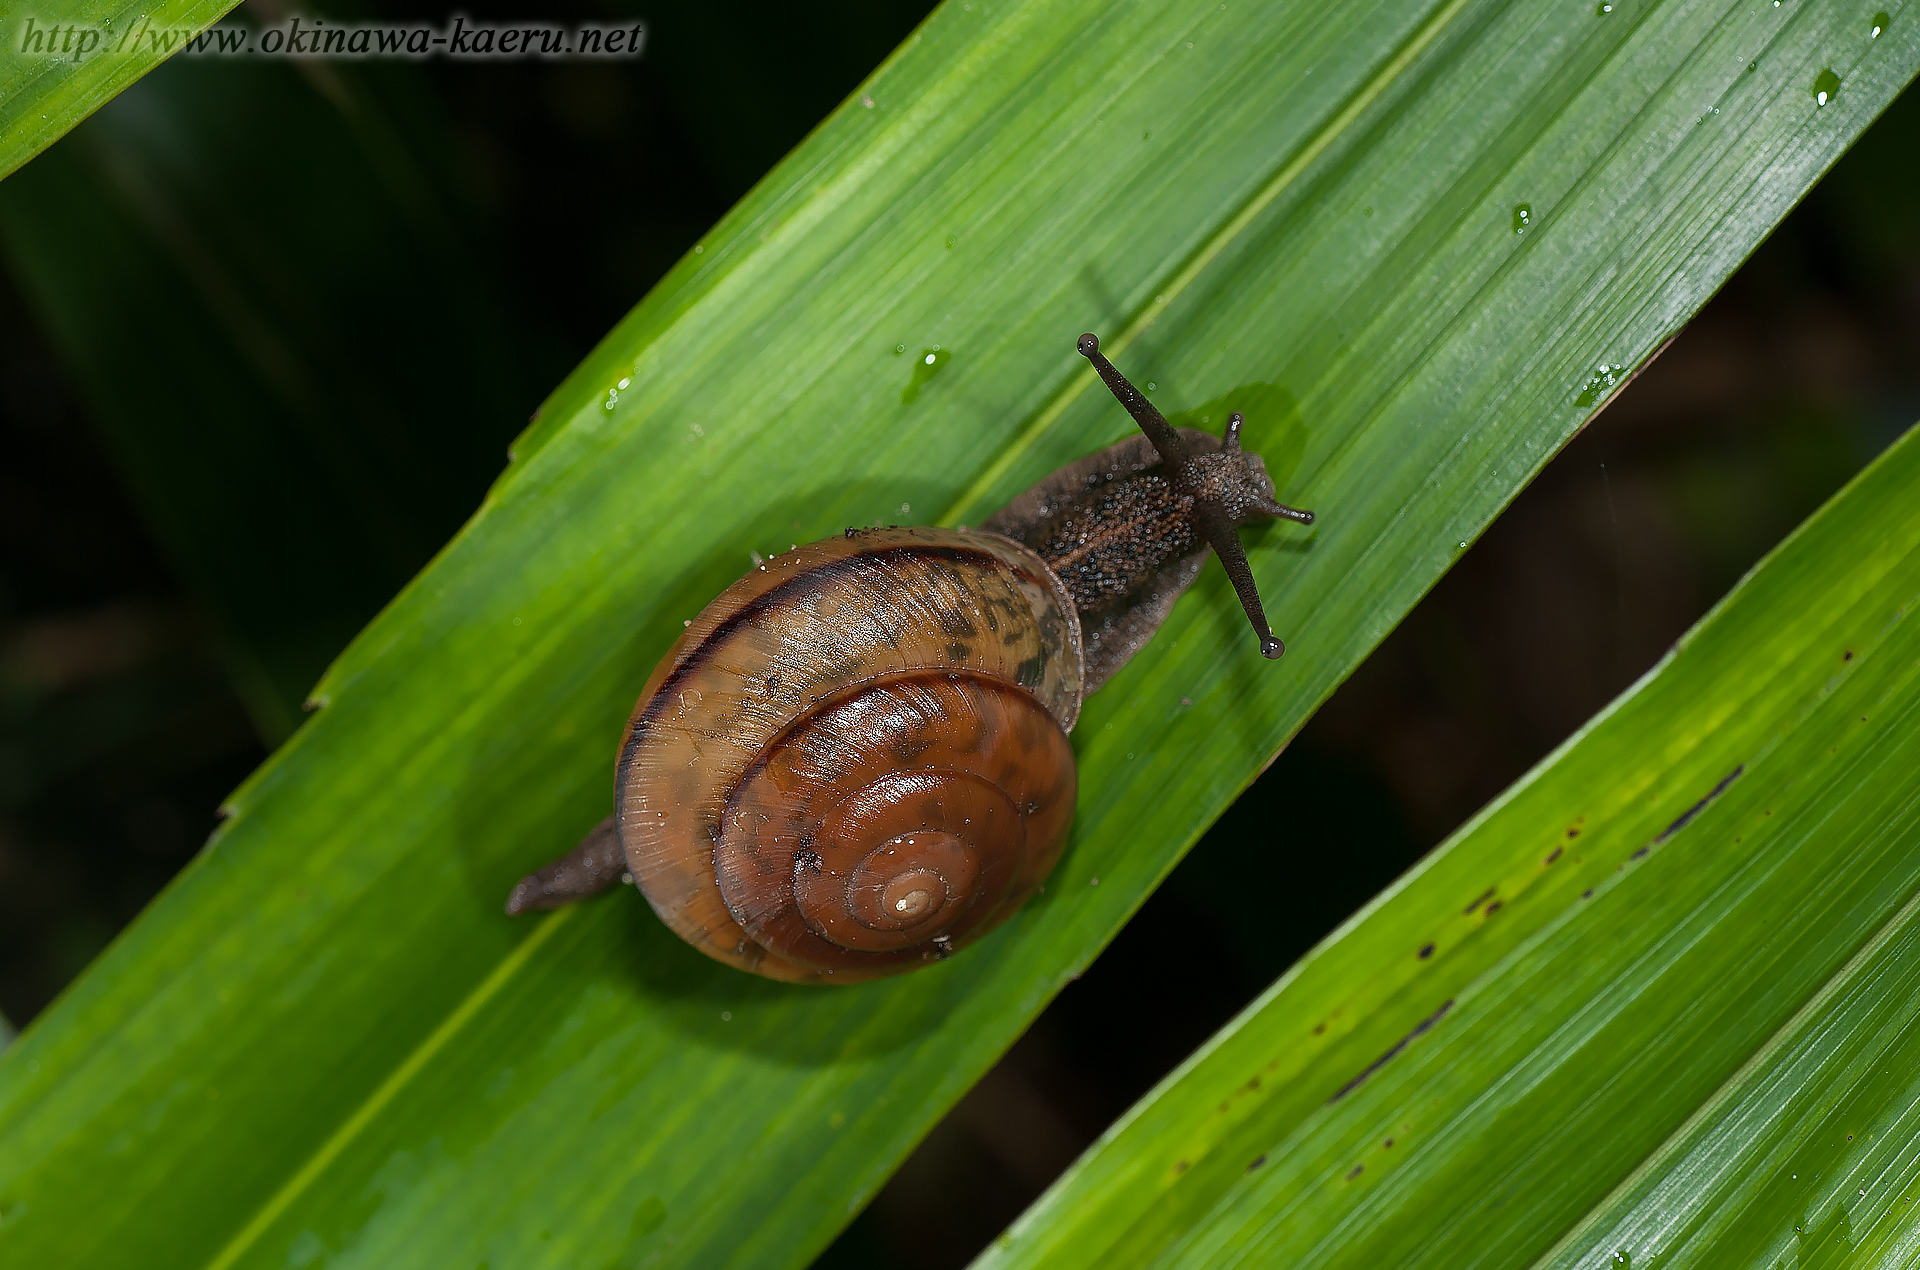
855 759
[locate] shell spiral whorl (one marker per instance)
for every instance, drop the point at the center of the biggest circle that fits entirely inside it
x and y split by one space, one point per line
855 759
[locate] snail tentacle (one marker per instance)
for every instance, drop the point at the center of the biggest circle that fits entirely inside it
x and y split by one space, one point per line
1223 487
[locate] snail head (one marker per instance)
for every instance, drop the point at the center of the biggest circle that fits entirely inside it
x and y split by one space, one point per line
1229 488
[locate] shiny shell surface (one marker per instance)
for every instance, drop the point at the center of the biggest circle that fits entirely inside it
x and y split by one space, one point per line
904 686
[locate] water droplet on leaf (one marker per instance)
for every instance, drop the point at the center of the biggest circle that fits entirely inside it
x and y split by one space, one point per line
1598 384
930 363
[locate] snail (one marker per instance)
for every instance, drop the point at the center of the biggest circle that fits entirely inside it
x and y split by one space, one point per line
855 760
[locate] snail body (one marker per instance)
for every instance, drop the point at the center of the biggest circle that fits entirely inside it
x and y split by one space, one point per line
855 760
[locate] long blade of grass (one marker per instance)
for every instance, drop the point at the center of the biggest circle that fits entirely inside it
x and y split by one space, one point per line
324 1041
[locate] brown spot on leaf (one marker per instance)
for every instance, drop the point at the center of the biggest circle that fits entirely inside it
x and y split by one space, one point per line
1423 1026
1700 806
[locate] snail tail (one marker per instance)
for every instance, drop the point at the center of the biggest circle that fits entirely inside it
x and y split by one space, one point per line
590 868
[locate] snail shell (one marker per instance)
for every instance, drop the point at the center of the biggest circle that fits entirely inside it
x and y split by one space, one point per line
856 759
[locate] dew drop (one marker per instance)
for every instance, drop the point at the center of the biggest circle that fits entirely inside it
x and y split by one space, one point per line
930 363
951 240
1825 85
899 349
1880 21
1598 384
1522 217
1602 10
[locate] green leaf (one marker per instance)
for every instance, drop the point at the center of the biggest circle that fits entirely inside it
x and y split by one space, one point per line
1468 1067
61 63
216 253
1808 1150
324 1042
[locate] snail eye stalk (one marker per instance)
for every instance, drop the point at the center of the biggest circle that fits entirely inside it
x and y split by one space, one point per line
1210 516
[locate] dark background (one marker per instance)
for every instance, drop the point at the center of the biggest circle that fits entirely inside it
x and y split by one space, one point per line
266 332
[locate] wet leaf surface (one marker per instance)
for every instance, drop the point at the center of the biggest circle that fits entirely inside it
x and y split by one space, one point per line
325 1044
